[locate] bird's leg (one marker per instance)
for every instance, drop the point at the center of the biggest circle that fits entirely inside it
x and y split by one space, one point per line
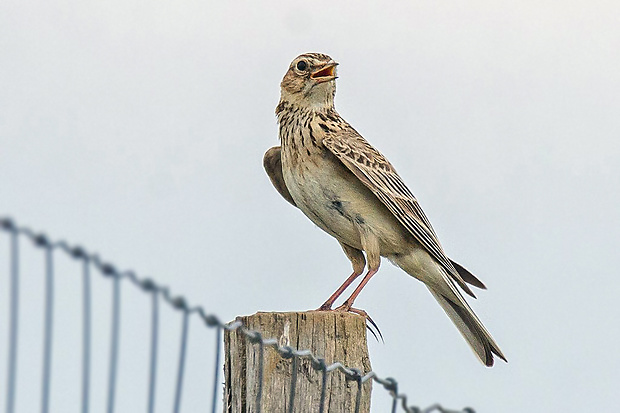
327 305
359 263
348 304
370 244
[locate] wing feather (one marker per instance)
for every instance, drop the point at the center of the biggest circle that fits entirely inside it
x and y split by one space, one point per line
272 162
374 170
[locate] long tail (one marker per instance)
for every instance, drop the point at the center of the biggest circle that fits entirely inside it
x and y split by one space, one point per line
470 326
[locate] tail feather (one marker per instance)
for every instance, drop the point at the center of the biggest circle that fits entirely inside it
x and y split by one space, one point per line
467 276
468 324
422 266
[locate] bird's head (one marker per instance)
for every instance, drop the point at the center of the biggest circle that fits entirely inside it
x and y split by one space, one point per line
310 81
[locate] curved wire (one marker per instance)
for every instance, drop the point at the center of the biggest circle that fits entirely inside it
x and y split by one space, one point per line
179 303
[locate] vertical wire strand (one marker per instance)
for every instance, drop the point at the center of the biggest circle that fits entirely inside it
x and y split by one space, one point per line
394 404
181 370
85 335
48 329
114 343
218 351
261 363
13 329
291 401
154 339
323 389
358 397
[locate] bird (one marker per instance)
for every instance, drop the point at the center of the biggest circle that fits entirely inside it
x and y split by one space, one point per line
346 187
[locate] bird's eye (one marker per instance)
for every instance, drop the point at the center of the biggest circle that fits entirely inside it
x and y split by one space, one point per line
302 65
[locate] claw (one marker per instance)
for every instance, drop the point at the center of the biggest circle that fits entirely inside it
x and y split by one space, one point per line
349 309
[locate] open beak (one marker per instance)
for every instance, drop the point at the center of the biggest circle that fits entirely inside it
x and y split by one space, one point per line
326 73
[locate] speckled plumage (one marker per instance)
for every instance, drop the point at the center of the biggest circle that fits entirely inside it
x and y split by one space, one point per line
350 190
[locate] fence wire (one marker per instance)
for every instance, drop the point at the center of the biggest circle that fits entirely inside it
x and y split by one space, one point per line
92 260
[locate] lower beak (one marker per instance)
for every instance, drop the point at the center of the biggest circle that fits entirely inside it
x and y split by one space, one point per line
325 74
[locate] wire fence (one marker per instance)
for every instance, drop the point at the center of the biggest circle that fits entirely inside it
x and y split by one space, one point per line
90 261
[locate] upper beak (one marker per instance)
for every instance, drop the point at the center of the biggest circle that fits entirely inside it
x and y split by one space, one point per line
326 73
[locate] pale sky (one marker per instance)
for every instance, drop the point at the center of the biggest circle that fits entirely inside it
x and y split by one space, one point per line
137 129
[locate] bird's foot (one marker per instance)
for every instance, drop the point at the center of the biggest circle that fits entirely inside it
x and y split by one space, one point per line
371 325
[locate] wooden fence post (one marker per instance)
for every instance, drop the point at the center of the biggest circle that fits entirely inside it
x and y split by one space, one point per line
333 336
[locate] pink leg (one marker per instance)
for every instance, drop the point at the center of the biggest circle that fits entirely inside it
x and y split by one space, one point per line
349 303
327 305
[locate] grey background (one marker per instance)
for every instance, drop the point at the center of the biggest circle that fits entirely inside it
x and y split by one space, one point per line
137 128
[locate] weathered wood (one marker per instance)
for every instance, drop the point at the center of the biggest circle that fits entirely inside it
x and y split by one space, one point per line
331 335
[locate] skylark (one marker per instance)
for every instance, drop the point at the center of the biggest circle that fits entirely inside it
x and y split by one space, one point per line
350 190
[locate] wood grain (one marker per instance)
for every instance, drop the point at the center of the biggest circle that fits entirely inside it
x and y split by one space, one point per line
333 336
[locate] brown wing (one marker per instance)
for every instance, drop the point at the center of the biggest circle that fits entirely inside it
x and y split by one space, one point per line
272 162
371 167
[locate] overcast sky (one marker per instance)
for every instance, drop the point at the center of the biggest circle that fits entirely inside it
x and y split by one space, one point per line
137 128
